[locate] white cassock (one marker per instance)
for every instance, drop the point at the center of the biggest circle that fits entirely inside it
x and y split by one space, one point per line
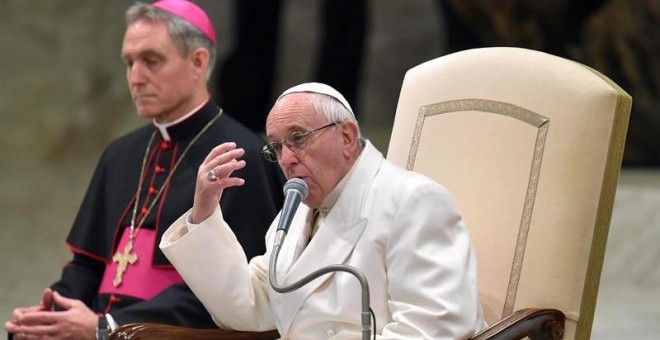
401 229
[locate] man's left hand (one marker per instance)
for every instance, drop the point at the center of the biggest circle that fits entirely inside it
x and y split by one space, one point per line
75 321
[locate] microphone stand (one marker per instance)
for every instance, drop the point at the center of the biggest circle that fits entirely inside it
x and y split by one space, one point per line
279 239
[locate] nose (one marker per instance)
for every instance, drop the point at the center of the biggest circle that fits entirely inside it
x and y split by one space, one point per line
288 157
135 74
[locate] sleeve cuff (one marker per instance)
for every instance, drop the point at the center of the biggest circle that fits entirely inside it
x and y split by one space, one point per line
189 223
112 324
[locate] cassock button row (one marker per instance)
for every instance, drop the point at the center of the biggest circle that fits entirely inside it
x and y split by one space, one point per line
152 191
164 145
159 169
144 210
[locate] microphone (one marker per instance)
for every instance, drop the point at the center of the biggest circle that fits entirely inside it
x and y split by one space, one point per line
295 191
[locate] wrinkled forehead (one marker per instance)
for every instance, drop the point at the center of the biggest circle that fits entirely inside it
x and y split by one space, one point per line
294 112
145 35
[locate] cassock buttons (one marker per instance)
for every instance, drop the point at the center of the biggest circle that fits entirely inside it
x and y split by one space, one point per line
152 191
144 210
159 169
164 145
113 298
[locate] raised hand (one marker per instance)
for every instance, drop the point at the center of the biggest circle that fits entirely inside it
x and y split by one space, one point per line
213 177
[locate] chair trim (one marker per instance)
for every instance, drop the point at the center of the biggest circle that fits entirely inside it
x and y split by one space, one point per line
605 206
506 109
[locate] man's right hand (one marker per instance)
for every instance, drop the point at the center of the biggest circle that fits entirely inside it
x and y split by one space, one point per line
223 160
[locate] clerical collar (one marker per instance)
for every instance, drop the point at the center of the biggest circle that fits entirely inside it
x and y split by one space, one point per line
163 128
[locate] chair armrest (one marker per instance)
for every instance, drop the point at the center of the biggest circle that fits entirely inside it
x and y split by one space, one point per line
538 324
143 331
535 323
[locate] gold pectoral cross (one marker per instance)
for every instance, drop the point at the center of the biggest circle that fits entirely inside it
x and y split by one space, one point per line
123 260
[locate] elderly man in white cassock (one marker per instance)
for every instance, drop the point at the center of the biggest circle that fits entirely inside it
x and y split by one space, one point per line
400 229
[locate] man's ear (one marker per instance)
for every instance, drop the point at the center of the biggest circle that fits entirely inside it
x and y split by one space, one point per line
200 62
349 137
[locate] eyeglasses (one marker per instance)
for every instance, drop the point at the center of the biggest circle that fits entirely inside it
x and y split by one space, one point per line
296 143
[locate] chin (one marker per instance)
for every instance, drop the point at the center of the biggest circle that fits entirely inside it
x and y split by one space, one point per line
312 202
147 112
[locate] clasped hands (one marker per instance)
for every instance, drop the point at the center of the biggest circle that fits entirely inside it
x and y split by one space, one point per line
74 321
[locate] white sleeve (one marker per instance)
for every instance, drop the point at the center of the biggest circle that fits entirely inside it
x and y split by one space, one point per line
213 264
431 270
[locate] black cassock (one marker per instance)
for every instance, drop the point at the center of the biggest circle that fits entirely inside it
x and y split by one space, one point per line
107 208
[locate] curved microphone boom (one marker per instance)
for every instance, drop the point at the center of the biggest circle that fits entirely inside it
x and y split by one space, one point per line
295 191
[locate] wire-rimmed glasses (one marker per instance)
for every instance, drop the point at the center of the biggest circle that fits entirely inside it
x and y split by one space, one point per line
296 142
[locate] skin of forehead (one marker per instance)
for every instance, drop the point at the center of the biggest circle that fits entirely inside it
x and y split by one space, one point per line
295 111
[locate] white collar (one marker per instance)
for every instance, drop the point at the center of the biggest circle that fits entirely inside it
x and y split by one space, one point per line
162 127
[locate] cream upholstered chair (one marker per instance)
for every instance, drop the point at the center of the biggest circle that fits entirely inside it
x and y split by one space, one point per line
530 145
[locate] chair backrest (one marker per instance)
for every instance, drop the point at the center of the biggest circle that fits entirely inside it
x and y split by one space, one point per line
530 145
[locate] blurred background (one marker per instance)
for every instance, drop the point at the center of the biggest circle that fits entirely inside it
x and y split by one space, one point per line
63 97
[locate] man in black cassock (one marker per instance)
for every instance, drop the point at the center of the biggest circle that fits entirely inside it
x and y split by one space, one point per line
145 180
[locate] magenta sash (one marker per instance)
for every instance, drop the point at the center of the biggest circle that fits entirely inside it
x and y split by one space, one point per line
141 280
